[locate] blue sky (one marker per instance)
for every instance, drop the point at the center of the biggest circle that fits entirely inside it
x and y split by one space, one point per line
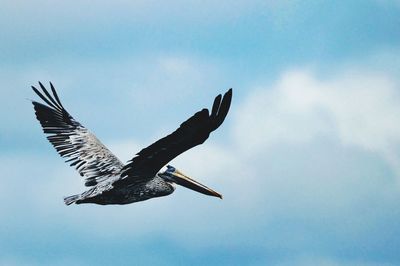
308 159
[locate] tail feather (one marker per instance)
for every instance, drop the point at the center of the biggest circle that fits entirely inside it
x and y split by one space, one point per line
71 199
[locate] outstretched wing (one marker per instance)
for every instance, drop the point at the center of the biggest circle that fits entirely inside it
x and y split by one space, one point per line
73 141
192 132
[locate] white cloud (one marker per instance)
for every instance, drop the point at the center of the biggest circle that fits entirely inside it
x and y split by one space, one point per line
360 108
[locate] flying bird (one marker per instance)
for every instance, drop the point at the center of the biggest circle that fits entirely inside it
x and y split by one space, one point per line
109 180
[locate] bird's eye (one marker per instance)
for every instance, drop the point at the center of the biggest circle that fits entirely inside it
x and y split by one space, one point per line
170 168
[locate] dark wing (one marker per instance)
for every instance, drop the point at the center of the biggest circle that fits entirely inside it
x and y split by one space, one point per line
73 141
192 132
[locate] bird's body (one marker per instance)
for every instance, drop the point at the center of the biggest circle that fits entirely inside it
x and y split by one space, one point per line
106 193
111 181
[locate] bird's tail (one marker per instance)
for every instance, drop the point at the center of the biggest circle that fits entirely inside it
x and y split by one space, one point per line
71 199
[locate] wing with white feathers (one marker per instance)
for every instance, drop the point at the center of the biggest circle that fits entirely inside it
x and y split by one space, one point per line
73 141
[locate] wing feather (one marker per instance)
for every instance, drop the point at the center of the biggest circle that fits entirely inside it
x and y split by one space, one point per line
191 133
73 141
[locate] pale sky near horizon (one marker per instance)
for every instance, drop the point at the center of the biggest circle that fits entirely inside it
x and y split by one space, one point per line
308 159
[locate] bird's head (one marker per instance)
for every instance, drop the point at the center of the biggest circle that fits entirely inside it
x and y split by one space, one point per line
173 175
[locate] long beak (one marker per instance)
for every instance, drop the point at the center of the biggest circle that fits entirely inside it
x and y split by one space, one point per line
183 180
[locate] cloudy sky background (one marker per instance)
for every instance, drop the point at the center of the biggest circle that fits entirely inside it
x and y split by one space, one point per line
308 159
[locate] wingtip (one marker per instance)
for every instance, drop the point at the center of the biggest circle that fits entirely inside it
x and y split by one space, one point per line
228 94
52 86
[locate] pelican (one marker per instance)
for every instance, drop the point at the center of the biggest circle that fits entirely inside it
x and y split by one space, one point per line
109 180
